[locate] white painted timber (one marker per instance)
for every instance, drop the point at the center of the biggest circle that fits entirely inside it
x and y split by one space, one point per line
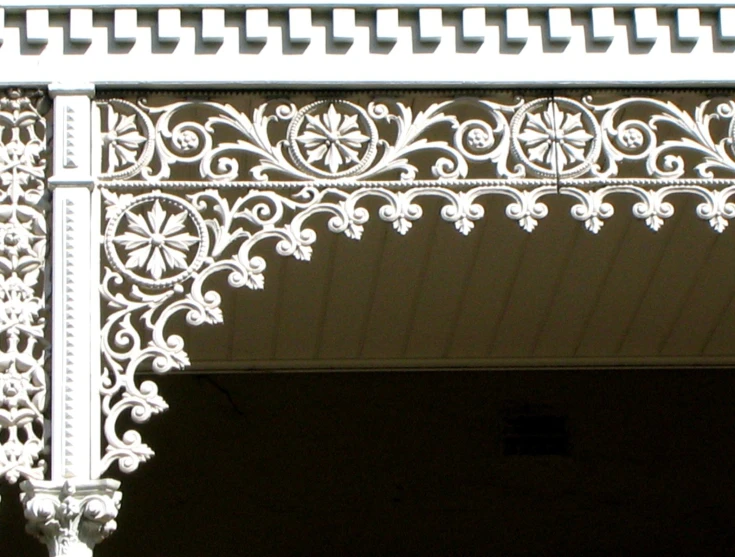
213 25
646 25
169 25
560 25
727 24
256 25
126 25
516 25
514 50
401 4
343 25
299 25
687 24
386 24
37 26
430 25
80 25
603 24
474 27
72 363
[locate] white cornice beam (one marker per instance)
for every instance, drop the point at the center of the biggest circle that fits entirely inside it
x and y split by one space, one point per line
64 5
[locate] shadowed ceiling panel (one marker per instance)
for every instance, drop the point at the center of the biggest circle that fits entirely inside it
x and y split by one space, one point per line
498 297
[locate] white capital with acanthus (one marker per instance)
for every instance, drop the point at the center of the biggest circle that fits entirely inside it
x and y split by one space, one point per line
71 517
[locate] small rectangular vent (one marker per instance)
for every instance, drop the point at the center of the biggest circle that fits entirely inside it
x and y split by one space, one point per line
531 432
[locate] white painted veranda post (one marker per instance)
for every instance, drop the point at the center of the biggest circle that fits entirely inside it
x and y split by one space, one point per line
73 511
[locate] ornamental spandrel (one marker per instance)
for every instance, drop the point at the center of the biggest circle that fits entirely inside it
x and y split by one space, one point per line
202 187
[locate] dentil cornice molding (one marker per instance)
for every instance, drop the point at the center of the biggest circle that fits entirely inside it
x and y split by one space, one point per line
358 44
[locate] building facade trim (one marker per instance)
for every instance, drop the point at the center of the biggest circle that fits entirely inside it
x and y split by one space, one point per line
435 44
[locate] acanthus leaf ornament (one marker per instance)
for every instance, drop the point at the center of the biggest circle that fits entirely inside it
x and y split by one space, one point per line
71 518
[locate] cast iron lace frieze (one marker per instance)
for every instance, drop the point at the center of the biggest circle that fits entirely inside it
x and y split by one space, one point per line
191 188
23 204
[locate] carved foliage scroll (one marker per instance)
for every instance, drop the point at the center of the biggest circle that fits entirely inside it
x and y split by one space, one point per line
588 146
23 245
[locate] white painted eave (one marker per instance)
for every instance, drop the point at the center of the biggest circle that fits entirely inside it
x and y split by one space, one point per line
403 4
225 44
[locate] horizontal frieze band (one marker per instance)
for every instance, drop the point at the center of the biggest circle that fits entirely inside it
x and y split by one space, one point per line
458 184
355 44
64 5
252 23
646 138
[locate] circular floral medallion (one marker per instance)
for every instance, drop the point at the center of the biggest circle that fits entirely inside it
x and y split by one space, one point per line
127 139
558 137
332 139
157 240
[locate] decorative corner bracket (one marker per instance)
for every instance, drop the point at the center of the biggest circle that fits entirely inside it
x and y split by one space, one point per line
192 188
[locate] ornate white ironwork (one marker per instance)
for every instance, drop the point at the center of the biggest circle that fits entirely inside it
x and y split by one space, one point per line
262 175
23 202
72 518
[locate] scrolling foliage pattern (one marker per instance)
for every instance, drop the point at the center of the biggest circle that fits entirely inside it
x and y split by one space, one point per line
23 251
192 187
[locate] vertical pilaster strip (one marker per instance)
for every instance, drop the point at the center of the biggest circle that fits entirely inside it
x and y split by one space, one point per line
73 364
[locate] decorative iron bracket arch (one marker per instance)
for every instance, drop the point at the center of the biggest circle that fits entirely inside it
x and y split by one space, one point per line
192 187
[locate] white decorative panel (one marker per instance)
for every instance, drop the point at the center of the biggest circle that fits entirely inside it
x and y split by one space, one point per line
23 252
197 188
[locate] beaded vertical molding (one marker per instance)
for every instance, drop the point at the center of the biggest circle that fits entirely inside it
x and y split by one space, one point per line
194 188
23 286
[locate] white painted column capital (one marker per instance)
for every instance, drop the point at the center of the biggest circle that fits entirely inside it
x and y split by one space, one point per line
71 518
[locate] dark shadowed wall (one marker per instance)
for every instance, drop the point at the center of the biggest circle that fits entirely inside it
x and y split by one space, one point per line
414 464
